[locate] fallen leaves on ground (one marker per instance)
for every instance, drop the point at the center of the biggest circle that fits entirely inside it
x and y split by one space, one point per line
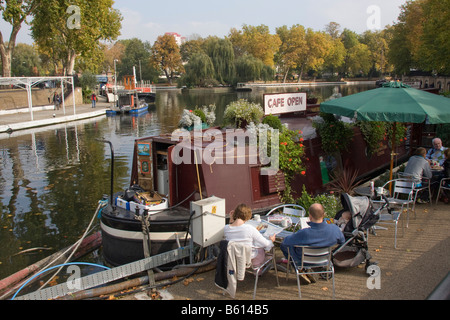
187 281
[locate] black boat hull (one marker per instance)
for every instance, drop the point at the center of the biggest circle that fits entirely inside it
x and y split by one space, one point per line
122 235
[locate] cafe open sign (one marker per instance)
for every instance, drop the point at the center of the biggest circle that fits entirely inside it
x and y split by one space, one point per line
284 102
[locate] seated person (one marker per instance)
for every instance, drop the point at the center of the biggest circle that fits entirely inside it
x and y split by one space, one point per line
343 220
419 167
445 173
320 234
446 164
238 231
436 153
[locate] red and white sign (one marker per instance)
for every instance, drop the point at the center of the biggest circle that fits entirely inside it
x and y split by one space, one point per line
284 102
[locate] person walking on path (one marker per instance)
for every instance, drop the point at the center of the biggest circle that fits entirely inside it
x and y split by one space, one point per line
56 101
93 99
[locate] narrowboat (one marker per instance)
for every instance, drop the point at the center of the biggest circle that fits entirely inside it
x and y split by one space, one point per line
188 166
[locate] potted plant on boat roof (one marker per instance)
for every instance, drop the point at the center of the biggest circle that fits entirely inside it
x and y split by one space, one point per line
311 98
242 112
205 116
335 134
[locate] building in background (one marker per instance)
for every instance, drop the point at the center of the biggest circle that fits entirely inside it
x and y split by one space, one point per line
178 38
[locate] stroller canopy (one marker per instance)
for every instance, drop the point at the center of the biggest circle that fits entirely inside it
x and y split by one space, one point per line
358 207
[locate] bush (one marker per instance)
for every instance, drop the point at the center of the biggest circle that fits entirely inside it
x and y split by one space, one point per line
199 113
272 121
242 112
330 202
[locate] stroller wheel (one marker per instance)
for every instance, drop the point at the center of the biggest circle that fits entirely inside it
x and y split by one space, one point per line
325 276
368 264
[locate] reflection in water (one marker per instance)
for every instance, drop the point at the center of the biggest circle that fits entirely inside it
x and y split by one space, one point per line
52 178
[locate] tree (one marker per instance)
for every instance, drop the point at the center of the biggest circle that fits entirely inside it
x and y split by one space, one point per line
88 81
15 13
405 35
359 61
166 56
335 56
317 46
188 48
333 29
248 68
293 43
25 61
419 40
222 56
112 52
349 39
376 42
399 49
137 54
56 37
434 51
199 71
256 41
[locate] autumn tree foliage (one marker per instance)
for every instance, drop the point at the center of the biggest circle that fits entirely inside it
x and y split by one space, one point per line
63 43
256 41
15 13
420 38
166 56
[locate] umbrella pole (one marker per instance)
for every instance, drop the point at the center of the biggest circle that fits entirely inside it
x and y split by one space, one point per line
394 131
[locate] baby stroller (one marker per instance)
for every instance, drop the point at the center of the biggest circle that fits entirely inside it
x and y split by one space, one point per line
354 250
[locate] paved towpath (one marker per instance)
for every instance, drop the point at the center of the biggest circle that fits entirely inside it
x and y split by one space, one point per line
43 116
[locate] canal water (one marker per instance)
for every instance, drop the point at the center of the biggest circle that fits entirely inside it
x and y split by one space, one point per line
52 178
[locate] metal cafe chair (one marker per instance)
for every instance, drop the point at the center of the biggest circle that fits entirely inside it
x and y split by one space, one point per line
268 263
426 185
257 271
314 261
402 196
443 185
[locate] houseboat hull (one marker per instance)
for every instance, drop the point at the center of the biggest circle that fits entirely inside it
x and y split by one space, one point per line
123 234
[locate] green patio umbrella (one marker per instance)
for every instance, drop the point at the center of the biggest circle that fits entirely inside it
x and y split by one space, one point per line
393 102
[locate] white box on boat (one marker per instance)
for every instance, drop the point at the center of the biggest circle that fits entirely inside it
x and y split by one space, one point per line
131 205
208 221
122 204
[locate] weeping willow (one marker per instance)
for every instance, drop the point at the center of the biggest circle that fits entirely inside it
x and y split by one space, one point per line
248 68
222 56
199 70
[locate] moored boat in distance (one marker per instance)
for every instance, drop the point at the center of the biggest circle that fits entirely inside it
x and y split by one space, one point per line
132 99
243 87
